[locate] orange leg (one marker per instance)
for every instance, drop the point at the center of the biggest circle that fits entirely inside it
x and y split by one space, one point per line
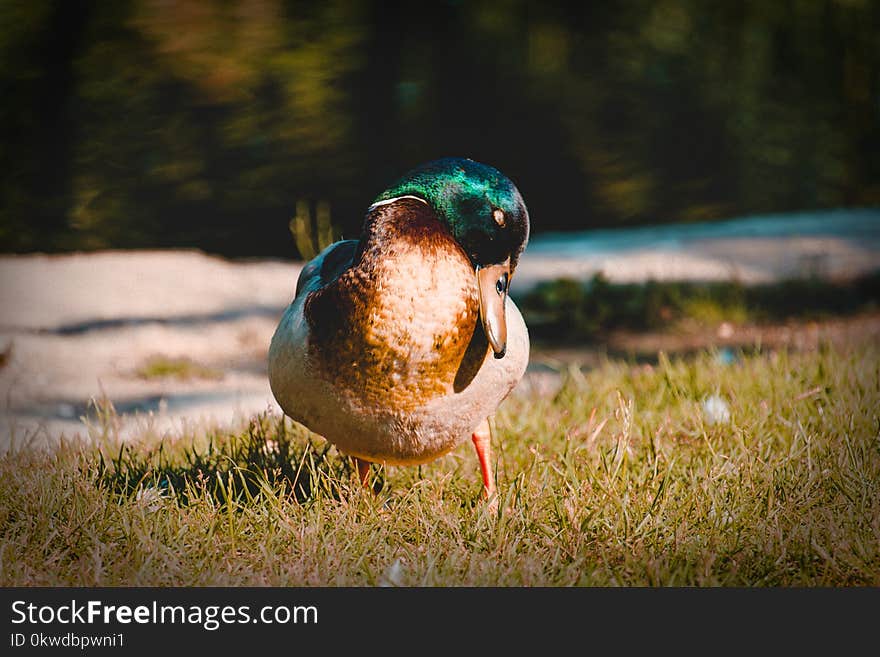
363 468
482 441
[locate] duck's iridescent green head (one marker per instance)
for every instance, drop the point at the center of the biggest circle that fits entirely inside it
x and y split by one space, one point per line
482 208
486 215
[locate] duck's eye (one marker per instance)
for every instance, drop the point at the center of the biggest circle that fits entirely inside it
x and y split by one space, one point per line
498 216
501 284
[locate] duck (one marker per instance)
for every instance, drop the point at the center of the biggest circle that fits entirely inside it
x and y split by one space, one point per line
400 345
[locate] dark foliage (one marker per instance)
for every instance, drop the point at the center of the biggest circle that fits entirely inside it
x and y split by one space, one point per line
574 311
211 124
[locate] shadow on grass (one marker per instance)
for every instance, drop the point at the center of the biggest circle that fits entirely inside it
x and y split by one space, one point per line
271 458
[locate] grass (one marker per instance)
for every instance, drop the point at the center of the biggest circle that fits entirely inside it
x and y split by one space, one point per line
570 310
161 367
618 477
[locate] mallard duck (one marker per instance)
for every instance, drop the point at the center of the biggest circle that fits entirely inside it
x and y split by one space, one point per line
400 345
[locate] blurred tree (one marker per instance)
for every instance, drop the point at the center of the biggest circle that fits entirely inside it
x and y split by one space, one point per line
233 112
38 43
212 124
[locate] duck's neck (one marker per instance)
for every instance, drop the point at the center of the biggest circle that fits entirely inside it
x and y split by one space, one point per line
404 224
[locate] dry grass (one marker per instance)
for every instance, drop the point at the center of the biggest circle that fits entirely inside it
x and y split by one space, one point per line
618 478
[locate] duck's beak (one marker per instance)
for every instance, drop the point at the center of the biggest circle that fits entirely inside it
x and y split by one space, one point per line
492 283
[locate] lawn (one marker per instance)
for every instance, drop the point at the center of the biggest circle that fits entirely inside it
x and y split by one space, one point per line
760 471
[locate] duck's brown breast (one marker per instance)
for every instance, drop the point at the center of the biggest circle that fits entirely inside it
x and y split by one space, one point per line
393 331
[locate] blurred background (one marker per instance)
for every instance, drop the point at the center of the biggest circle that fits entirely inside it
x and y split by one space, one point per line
211 124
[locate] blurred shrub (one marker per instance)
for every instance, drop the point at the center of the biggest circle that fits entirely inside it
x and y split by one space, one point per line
568 310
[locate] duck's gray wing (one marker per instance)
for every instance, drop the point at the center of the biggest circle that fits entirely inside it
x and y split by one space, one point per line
327 265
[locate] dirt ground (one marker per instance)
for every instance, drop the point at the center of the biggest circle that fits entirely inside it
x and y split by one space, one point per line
644 346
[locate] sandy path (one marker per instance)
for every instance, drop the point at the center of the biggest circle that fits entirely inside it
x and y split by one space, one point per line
78 327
